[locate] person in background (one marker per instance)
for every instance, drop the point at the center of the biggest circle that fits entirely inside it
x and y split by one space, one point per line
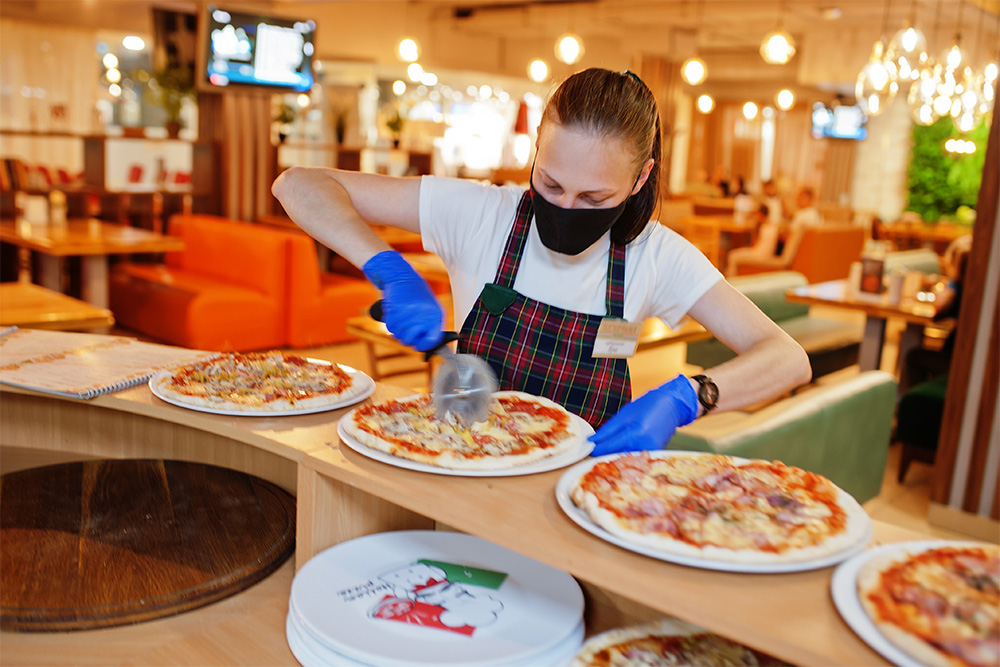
535 271
770 252
772 200
806 214
923 364
720 181
765 244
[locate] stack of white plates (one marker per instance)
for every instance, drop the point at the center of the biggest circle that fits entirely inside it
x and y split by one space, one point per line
431 598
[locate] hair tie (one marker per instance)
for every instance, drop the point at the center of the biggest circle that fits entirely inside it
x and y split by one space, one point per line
634 76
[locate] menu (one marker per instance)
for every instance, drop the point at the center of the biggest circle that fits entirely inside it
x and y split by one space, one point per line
83 365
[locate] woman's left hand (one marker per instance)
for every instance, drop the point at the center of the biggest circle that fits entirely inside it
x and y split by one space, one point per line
649 421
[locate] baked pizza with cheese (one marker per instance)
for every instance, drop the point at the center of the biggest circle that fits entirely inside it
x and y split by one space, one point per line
519 429
667 643
719 508
940 606
258 382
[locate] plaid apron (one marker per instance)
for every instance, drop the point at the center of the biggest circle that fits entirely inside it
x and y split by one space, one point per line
544 350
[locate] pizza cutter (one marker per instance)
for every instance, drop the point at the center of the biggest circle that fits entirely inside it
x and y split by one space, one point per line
462 384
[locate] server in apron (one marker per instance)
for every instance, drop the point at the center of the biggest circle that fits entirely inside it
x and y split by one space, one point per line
551 283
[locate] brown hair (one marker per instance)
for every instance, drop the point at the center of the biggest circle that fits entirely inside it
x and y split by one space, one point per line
615 104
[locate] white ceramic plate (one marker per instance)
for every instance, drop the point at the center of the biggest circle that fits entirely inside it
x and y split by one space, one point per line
844 590
579 451
334 595
363 387
310 653
569 478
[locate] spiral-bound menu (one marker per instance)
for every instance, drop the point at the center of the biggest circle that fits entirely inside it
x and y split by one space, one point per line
83 365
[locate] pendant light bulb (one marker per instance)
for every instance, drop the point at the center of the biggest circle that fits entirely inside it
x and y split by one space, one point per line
785 99
693 71
908 51
569 48
876 84
750 110
538 70
777 48
408 50
705 103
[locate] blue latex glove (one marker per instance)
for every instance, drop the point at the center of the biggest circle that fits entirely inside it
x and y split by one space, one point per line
409 309
649 421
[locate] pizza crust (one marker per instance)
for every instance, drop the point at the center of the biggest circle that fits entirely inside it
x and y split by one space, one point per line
452 459
856 528
164 386
869 580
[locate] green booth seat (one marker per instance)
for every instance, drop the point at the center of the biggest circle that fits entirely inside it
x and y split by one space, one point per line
840 430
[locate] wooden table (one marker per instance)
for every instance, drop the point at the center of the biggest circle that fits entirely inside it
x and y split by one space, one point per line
908 235
877 310
343 495
92 240
36 307
716 234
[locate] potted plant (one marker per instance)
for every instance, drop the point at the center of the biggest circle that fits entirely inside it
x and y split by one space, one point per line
284 115
172 85
395 124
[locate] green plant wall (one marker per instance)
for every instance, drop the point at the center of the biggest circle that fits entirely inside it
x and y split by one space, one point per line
940 182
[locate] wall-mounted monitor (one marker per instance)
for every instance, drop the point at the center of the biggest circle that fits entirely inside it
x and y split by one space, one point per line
838 122
248 49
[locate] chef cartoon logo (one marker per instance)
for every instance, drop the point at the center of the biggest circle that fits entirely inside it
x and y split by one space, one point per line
440 595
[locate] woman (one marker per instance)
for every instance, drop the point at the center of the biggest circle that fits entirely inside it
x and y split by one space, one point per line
534 273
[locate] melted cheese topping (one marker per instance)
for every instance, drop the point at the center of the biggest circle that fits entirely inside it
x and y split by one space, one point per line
513 426
708 500
258 378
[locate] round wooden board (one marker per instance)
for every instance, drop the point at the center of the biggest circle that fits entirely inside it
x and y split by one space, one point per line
113 542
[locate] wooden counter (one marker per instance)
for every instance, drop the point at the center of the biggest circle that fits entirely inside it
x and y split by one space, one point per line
342 494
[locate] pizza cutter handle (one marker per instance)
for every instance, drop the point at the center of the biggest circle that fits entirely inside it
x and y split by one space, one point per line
376 314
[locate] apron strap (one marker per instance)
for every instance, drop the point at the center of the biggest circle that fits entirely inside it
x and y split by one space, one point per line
614 301
516 241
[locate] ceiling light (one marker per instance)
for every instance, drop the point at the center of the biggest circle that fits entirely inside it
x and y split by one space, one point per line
876 83
414 71
538 70
110 60
785 99
133 43
705 103
429 79
407 50
569 48
908 51
114 76
693 71
750 110
398 87
777 48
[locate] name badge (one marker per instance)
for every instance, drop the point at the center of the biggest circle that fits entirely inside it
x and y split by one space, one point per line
616 339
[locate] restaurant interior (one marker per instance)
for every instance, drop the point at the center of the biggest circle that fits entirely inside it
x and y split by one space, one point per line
139 142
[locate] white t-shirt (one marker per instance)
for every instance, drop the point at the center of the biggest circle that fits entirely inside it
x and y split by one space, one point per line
466 224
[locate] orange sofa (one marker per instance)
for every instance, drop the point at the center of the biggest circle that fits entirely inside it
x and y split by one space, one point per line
826 252
237 286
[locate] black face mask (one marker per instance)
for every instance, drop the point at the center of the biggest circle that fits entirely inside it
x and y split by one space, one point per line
570 231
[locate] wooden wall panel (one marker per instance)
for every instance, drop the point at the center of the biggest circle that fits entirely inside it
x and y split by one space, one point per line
968 441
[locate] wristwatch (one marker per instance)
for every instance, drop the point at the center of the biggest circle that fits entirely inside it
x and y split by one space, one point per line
708 391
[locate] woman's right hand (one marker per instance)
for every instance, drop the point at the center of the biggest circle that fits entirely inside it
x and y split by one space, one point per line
410 310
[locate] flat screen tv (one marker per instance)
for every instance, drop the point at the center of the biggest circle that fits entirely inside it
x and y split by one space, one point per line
248 49
838 122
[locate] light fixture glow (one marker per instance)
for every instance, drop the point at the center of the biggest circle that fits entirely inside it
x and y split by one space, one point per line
693 70
750 110
302 100
777 48
569 48
115 90
908 50
407 50
133 43
538 70
876 83
429 79
705 103
785 99
414 71
110 60
114 76
485 91
398 87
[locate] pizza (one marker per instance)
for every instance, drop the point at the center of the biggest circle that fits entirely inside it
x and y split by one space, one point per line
940 606
257 382
667 643
720 508
519 429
